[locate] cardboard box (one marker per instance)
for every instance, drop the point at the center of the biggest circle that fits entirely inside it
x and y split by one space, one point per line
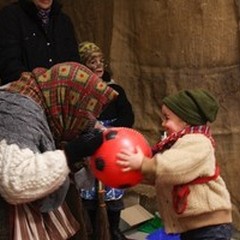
133 216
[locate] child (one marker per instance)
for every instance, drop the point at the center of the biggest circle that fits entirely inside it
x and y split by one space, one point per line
192 197
119 113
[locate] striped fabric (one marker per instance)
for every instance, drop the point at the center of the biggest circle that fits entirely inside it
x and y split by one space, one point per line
32 225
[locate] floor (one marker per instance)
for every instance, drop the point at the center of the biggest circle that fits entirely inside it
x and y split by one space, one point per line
135 235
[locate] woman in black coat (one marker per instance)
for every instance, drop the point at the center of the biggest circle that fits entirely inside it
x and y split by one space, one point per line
34 34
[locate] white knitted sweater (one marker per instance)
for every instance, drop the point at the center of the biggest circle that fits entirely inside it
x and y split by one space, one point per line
30 166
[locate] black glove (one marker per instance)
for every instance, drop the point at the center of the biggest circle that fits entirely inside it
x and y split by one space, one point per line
85 145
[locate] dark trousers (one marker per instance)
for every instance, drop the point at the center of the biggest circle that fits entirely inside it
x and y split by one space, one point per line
113 219
216 232
113 209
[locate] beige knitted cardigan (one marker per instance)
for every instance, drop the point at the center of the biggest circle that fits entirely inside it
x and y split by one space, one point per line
192 156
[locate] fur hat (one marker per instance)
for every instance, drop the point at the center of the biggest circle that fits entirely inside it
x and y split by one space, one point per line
196 107
86 49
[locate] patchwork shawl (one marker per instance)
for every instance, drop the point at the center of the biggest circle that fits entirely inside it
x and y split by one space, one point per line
70 94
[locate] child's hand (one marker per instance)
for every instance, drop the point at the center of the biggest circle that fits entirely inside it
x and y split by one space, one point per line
129 160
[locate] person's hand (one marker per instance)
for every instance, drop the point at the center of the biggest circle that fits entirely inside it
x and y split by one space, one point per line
129 160
84 145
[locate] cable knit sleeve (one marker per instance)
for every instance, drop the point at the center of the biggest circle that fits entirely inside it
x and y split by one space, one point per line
26 176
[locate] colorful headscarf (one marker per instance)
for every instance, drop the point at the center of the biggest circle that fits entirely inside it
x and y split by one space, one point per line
86 49
70 94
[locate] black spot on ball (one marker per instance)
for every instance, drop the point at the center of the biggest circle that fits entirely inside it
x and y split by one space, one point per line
111 134
124 186
99 164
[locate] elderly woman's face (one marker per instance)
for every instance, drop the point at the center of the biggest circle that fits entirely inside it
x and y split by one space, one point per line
43 4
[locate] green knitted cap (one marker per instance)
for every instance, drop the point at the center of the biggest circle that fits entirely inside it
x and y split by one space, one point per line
195 107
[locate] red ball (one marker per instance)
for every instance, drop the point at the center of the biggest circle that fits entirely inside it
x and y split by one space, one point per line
103 162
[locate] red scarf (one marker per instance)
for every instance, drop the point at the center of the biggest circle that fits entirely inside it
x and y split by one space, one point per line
181 192
171 139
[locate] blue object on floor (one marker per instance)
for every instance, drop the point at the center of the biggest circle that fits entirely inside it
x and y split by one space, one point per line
160 234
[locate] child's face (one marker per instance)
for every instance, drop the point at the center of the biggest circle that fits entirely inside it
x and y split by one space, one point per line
171 122
96 63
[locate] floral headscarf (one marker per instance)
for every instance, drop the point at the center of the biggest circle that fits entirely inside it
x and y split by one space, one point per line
86 49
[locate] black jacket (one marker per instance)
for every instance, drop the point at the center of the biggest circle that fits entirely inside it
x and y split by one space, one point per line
24 45
119 113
